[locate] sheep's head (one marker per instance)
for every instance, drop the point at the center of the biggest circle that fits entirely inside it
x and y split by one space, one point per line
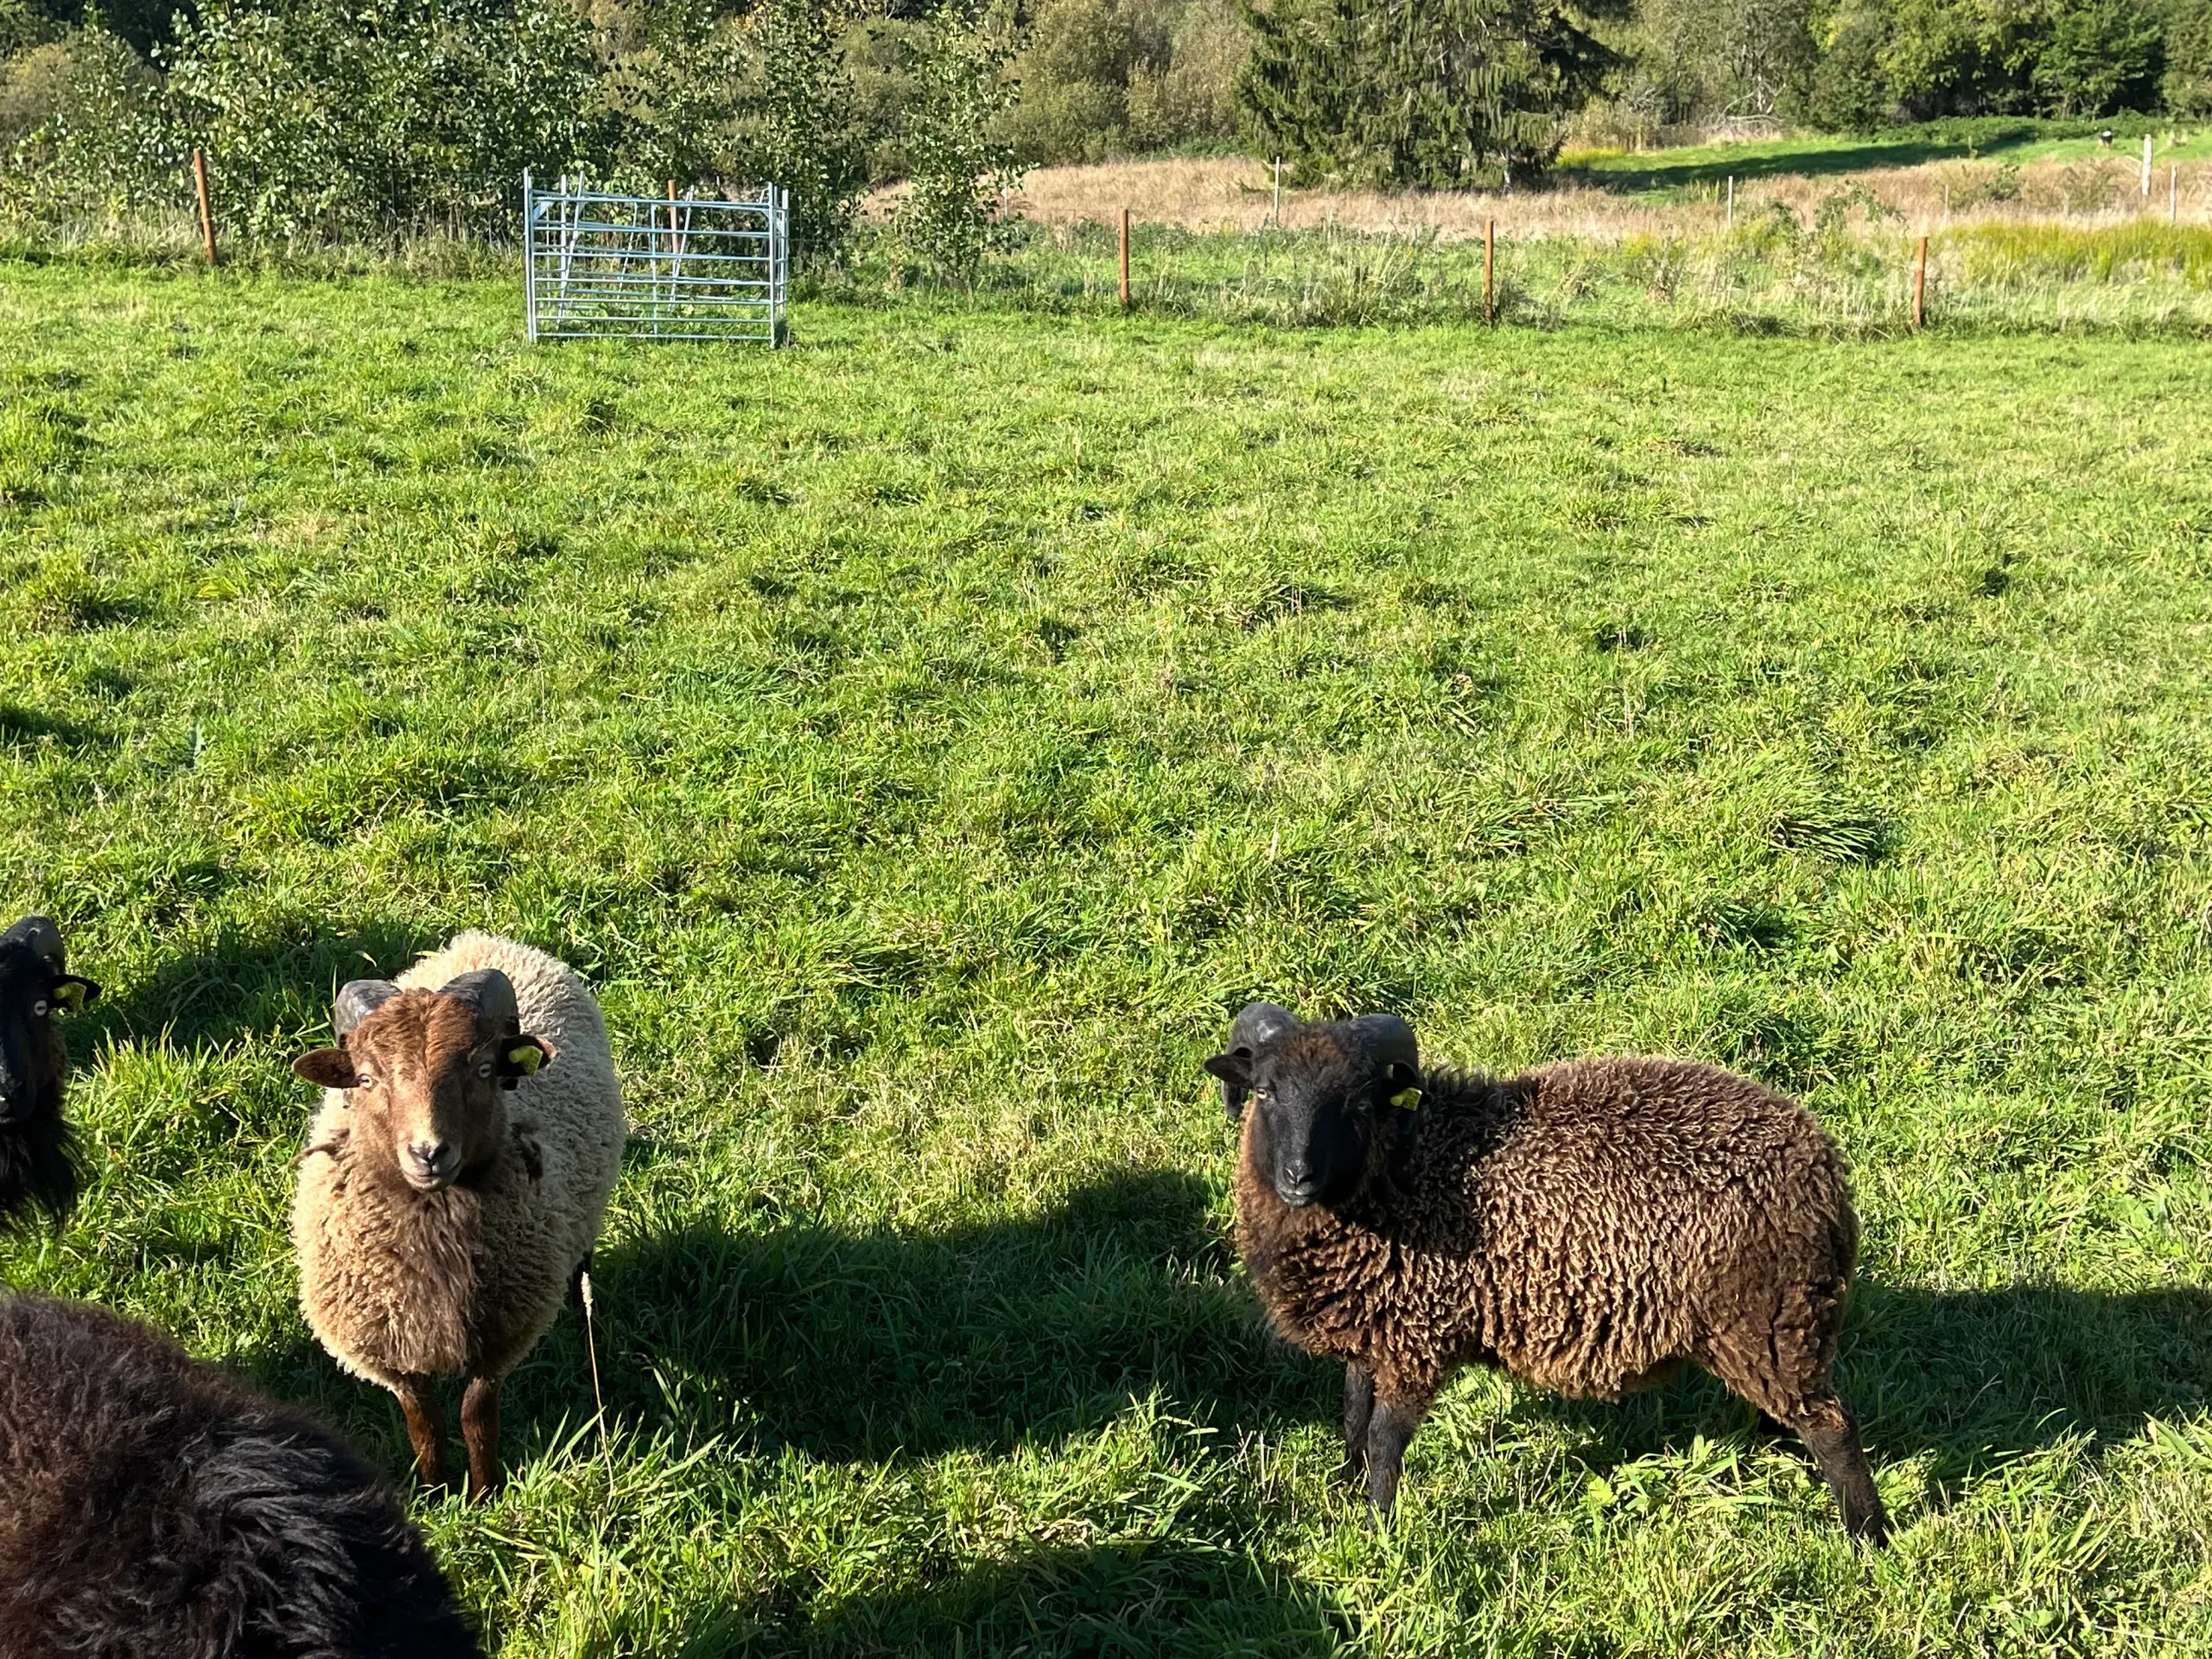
423 1070
35 989
1322 1095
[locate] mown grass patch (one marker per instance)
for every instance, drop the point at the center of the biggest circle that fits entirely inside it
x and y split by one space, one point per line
926 736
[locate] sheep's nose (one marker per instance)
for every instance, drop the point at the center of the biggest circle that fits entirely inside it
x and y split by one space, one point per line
1297 1183
430 1163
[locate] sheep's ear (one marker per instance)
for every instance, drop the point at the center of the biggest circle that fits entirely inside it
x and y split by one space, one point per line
523 1057
331 1067
74 993
1235 1071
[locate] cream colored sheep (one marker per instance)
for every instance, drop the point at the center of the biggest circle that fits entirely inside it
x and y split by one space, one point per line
454 1180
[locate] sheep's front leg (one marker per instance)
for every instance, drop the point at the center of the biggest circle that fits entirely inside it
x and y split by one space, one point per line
480 1432
1359 1409
1389 1431
426 1427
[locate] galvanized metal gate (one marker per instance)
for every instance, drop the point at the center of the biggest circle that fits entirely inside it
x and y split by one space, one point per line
601 265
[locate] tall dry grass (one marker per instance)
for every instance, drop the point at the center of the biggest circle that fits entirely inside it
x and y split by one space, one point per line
1232 194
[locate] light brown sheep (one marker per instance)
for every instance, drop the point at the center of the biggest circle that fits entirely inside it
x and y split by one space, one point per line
454 1180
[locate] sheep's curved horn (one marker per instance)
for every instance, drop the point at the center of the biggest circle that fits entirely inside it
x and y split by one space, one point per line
38 935
487 990
1259 1022
1388 1040
357 1000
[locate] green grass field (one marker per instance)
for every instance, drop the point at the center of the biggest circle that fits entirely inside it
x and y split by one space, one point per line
925 738
1668 172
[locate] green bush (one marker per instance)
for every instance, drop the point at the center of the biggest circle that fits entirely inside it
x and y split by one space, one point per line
2099 56
2188 84
799 126
1102 77
959 171
84 115
340 117
1924 59
337 120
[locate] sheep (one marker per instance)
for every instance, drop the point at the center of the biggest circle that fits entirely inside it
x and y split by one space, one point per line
37 1170
440 1218
158 1508
1588 1226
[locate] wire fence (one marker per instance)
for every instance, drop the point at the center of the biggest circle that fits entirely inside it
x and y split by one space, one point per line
600 264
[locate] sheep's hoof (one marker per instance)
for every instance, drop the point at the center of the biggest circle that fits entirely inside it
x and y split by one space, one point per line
1871 1530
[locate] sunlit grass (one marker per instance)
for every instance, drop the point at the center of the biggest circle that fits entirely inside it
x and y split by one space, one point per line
924 736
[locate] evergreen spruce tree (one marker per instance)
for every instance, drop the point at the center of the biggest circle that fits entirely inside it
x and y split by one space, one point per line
1434 93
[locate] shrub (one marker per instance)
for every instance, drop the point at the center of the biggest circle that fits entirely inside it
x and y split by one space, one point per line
334 119
83 124
2100 55
2188 84
1102 78
1195 98
958 170
800 126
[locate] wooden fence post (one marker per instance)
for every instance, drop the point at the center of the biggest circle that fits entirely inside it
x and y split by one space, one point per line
1732 201
1125 259
1489 258
2146 167
207 207
1920 287
1278 192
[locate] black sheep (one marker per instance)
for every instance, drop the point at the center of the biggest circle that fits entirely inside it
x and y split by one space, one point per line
157 1507
36 1168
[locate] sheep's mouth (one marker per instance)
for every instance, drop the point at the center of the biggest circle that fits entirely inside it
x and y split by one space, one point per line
1299 1194
428 1178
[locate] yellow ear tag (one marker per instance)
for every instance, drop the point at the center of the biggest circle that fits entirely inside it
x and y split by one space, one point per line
1406 1099
70 996
528 1056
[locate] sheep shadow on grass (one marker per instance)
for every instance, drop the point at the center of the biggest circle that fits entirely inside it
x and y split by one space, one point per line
1152 1598
1972 1379
853 1345
279 978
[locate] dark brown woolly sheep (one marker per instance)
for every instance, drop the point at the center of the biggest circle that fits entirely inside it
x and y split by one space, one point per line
1588 1226
157 1507
36 1169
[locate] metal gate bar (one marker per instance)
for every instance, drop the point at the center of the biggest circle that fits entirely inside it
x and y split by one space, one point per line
597 265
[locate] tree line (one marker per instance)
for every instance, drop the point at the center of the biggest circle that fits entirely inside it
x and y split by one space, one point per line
338 119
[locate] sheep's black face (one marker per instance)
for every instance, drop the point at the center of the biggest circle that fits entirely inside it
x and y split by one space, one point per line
1315 1100
33 994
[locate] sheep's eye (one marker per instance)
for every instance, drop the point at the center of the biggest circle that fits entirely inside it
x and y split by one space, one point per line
483 1070
38 1008
1263 1093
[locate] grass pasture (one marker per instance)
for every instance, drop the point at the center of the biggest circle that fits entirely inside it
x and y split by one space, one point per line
925 737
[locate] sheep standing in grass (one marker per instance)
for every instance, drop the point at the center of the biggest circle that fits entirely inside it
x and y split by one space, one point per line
1588 1226
455 1180
37 986
153 1507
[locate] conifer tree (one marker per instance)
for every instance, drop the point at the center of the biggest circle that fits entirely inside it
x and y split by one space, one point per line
1434 93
